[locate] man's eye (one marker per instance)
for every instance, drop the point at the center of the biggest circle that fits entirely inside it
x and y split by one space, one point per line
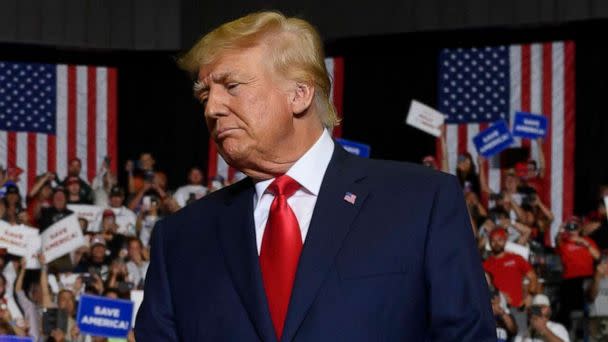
231 86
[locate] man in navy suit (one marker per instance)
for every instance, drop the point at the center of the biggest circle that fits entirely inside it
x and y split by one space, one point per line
315 244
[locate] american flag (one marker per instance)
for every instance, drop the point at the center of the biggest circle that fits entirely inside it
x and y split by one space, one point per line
478 86
51 113
216 165
350 197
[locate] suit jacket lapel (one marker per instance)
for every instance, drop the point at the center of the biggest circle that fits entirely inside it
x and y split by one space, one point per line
237 239
329 226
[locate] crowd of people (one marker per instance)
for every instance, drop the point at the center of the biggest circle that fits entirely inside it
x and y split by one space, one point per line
545 286
114 261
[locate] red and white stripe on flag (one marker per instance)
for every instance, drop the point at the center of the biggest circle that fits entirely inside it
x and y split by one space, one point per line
542 82
335 67
86 127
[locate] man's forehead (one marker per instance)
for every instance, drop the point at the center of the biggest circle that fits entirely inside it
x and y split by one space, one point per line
229 63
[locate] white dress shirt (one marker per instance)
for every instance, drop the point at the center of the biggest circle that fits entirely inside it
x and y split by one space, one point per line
308 171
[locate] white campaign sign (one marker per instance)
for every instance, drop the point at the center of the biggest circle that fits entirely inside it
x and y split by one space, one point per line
425 118
91 213
33 248
16 238
61 238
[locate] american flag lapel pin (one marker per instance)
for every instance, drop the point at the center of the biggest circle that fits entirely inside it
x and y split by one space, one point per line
350 197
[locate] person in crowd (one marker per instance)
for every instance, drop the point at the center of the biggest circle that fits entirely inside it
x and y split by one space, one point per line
10 176
508 272
193 190
467 174
115 242
541 328
98 262
532 173
536 215
517 232
66 301
578 254
103 183
506 327
74 170
476 208
23 217
140 172
75 196
125 217
597 297
31 303
58 211
40 196
118 280
137 265
146 219
156 188
12 199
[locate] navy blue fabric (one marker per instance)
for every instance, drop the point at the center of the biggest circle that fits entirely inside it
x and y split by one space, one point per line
400 264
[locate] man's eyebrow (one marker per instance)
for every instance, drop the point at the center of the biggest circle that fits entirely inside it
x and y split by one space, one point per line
200 85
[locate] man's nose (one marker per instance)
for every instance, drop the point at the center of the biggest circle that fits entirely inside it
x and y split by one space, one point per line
216 104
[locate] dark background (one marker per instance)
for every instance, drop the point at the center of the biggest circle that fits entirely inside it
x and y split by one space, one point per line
382 74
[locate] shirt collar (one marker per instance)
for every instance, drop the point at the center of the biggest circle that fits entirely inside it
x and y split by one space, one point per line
316 158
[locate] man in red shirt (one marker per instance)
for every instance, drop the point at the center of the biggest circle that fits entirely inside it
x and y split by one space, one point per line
578 254
509 270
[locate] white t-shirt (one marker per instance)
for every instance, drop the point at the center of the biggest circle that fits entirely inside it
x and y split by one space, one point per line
137 273
556 328
125 220
182 194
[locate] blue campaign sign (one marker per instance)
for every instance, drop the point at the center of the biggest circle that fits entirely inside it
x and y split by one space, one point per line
4 338
101 316
531 126
356 148
493 139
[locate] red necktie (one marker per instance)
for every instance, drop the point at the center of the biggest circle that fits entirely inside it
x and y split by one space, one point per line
280 252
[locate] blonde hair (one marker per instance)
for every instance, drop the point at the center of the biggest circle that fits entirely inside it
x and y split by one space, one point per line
295 47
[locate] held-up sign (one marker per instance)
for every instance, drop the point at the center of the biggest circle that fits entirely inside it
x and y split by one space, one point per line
91 213
356 148
425 118
531 126
493 139
16 238
101 316
61 238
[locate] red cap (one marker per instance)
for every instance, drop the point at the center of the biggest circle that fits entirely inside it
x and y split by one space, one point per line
521 169
499 232
108 213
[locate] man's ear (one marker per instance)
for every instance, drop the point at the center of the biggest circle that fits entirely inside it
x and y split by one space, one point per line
301 98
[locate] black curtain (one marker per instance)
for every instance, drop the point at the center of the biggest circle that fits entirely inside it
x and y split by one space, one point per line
382 75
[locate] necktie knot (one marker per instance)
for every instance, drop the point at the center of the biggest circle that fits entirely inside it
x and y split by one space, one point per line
284 186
